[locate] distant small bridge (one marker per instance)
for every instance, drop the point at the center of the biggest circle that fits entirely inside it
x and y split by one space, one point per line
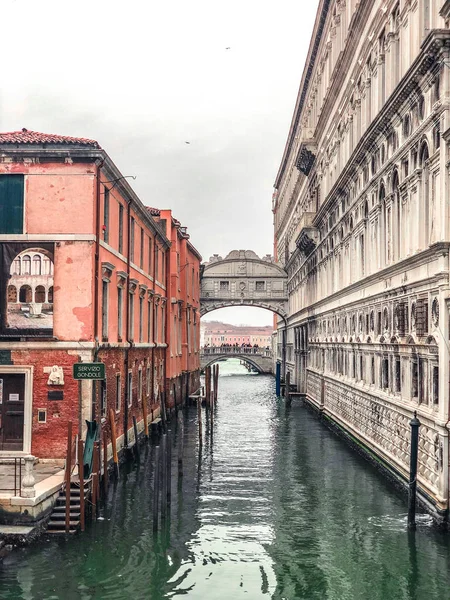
259 358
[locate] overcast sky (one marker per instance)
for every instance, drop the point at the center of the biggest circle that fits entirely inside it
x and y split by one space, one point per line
144 77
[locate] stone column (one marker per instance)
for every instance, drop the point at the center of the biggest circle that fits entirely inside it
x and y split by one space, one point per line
28 480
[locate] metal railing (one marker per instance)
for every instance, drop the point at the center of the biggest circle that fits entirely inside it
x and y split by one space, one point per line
236 350
17 478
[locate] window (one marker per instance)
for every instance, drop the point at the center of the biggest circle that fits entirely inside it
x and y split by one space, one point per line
42 415
141 319
398 378
119 312
131 316
163 323
163 267
140 385
103 399
141 258
11 203
105 296
106 214
260 286
414 379
132 225
120 228
224 286
118 391
155 324
435 386
130 388
156 261
385 373
149 321
372 370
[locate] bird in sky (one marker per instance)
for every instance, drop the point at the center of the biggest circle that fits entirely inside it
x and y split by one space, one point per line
187 142
228 48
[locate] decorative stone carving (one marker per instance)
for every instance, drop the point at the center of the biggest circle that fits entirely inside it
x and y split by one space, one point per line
56 375
435 312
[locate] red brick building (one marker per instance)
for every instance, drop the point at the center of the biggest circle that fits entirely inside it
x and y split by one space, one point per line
85 276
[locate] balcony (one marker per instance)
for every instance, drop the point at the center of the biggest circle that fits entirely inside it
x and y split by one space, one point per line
308 234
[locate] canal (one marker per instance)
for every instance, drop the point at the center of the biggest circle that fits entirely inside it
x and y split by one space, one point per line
276 506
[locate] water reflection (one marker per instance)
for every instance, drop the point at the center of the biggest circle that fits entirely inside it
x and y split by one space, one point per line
275 506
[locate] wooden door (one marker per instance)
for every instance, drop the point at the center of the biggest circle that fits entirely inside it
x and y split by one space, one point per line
12 403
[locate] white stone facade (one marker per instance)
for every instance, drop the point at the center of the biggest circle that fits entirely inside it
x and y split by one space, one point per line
362 228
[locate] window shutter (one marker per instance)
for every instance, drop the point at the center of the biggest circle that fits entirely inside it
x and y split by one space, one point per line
11 203
421 317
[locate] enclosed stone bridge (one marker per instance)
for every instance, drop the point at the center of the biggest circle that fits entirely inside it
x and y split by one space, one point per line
243 279
259 358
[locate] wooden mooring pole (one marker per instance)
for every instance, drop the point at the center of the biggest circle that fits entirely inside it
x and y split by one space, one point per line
156 485
169 472
81 480
287 389
105 462
163 476
68 474
112 425
199 416
412 490
136 438
180 443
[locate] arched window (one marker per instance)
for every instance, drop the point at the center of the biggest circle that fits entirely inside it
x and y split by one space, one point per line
50 295
12 294
37 265
425 207
26 265
39 294
16 270
25 294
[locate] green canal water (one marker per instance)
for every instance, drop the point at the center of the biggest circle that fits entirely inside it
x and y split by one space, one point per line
276 506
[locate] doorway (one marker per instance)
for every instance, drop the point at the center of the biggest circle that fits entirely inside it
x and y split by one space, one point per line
12 409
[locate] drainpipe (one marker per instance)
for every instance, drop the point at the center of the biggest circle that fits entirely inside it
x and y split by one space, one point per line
96 282
127 328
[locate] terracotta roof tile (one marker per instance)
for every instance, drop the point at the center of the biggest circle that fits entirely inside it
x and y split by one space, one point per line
33 137
155 212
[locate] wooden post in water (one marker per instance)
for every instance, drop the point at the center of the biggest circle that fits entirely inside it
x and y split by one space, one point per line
105 462
136 438
216 384
145 415
156 478
287 392
163 476
208 384
180 443
94 491
94 495
81 480
175 398
415 424
68 473
112 425
199 416
169 472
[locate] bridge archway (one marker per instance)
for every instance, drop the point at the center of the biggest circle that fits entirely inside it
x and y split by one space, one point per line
262 364
243 279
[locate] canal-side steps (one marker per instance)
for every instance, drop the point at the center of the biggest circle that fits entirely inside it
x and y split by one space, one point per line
57 521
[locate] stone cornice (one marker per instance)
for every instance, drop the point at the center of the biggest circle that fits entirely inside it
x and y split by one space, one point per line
316 38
